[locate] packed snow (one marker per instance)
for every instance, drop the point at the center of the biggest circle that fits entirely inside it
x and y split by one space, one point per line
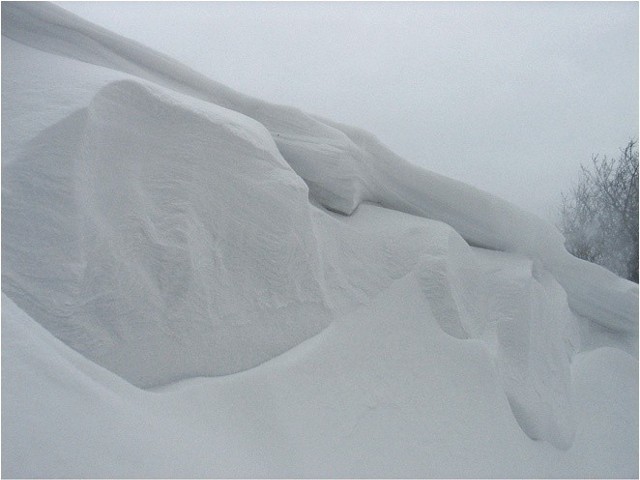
200 283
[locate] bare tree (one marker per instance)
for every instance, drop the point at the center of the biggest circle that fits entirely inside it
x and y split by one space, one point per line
599 217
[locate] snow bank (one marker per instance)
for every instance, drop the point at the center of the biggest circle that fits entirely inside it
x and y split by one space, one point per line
382 393
344 166
515 309
147 224
167 227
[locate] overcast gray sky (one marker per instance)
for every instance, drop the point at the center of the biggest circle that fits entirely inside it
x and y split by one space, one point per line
509 97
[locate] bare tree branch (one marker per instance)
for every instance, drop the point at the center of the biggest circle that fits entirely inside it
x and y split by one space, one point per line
599 218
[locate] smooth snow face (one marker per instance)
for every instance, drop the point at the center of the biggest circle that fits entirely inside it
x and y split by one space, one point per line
381 393
178 228
516 310
167 227
535 336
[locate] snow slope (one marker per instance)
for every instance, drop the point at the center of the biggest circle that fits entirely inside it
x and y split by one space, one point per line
194 216
381 393
165 227
344 166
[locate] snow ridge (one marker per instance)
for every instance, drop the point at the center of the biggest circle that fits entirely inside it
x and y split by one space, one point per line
344 166
167 227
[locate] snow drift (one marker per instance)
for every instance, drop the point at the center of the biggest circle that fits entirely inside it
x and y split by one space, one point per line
166 227
193 216
383 393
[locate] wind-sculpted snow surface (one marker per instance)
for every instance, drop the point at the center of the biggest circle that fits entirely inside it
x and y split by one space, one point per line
344 166
381 394
167 227
518 312
143 210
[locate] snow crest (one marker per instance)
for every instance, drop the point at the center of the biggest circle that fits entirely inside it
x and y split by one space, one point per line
167 227
344 166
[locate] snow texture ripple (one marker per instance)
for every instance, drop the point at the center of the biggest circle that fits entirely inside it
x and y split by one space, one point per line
167 227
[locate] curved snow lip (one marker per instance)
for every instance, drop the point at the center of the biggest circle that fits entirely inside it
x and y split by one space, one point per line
244 128
358 168
505 302
183 247
515 308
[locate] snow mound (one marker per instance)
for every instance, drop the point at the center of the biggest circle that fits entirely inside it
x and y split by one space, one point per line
512 306
176 227
344 166
167 227
383 393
